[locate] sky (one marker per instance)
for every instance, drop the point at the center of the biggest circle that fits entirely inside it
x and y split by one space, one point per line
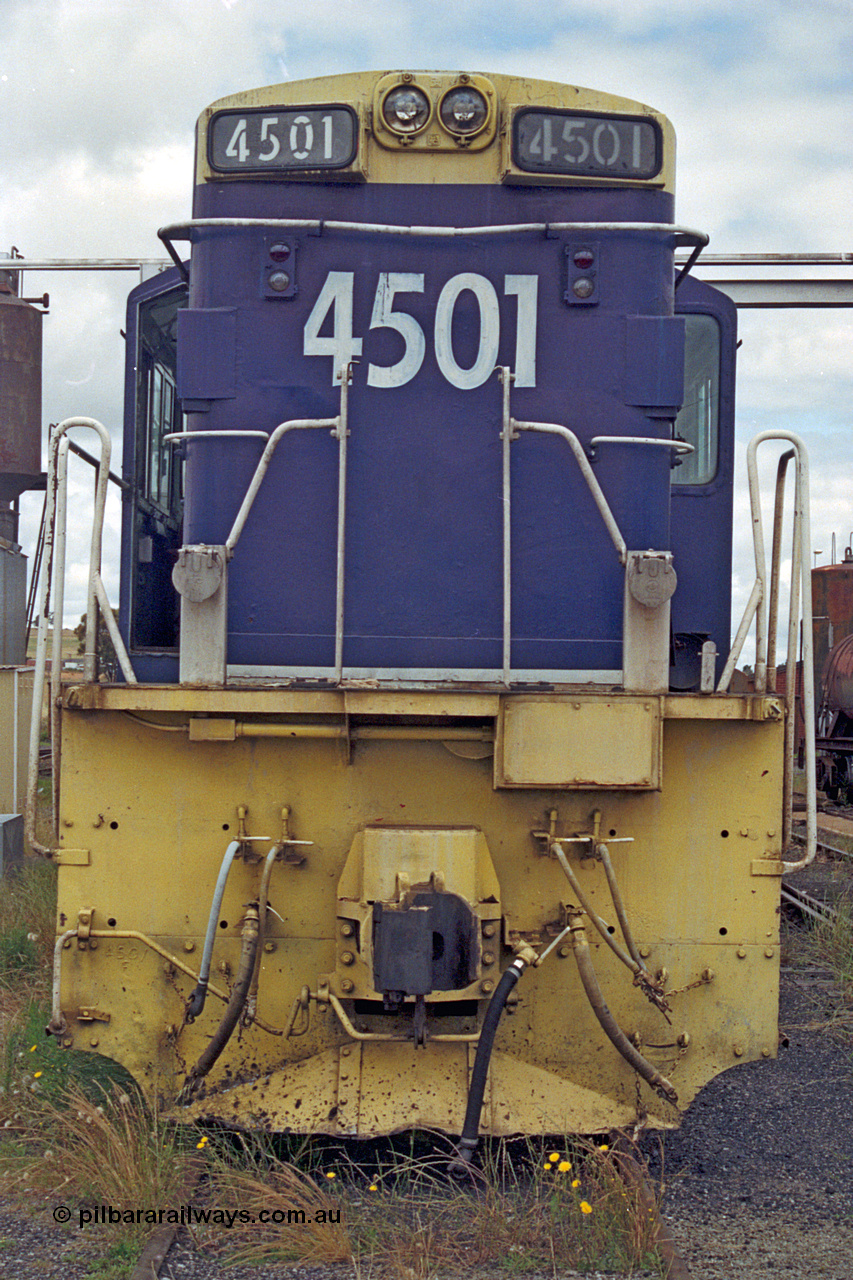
99 98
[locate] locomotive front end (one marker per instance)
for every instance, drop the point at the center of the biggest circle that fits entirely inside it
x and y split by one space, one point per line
425 589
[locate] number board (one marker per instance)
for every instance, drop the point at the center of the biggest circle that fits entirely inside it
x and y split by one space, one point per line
590 146
277 139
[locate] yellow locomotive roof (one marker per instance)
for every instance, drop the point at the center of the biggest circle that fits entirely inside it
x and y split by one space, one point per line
431 156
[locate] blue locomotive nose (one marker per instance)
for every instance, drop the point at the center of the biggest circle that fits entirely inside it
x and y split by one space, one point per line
427 569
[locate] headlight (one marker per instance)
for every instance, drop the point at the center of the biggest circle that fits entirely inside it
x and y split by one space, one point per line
406 109
463 111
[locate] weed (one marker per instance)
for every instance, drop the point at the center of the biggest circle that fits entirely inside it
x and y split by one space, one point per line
831 944
27 920
117 1262
403 1217
18 953
304 1220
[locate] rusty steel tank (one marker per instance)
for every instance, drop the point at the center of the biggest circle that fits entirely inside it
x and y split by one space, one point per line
832 609
20 456
20 397
832 594
837 684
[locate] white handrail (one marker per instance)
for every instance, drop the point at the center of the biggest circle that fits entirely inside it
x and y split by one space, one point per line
680 236
339 430
553 428
765 639
505 375
294 424
54 573
677 446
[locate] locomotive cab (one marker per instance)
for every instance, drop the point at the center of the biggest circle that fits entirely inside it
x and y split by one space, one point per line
152 526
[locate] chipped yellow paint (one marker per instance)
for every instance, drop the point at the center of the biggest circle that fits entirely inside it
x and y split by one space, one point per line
156 811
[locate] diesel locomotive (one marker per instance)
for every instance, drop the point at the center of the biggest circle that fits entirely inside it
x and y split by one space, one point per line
422 800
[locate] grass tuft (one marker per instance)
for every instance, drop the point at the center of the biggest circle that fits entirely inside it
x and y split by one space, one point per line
402 1216
113 1152
832 945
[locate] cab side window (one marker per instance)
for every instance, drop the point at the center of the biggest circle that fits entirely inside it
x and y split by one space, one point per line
698 420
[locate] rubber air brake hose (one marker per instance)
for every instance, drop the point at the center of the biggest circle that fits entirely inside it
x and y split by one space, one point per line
608 1023
469 1140
234 1008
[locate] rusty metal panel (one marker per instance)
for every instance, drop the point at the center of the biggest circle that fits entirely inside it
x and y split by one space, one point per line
436 1084
579 742
20 397
152 807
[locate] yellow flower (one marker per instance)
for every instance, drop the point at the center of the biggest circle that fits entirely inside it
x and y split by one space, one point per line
33 1048
373 1187
584 1207
576 1183
36 1075
547 1165
554 1157
564 1166
604 1147
331 1175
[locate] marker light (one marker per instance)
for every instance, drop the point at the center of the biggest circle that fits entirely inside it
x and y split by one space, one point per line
406 109
463 111
583 287
279 281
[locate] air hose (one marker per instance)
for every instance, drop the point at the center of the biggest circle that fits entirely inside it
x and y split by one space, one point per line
234 1008
607 1022
199 994
468 1142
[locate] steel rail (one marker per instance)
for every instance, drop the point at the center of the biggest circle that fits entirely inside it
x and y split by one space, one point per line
827 848
808 904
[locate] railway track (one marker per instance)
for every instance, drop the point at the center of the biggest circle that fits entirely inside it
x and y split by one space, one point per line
806 904
810 894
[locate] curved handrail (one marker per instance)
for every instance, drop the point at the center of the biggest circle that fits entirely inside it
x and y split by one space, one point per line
765 639
190 230
554 429
295 424
677 446
96 597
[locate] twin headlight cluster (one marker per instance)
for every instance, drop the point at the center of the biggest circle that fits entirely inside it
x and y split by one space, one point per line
427 109
462 110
